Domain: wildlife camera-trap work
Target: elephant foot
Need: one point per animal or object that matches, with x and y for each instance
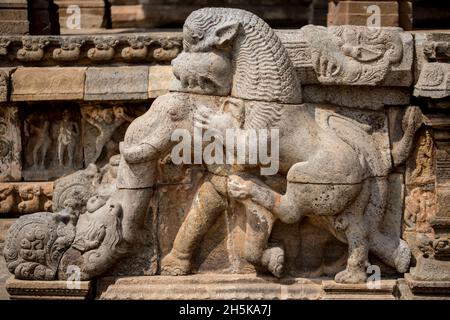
(402, 257)
(273, 260)
(351, 276)
(174, 266)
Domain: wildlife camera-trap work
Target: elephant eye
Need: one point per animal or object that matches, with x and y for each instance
(175, 114)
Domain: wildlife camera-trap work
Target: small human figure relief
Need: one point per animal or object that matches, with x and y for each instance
(104, 129)
(36, 129)
(420, 208)
(420, 168)
(52, 139)
(69, 131)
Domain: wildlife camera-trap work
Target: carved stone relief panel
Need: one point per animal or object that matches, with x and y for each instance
(25, 197)
(10, 144)
(52, 141)
(104, 126)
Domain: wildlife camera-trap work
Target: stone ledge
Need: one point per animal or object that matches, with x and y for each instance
(207, 286)
(340, 291)
(46, 290)
(237, 286)
(35, 84)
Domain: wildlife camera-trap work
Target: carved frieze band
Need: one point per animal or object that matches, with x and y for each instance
(160, 48)
(353, 55)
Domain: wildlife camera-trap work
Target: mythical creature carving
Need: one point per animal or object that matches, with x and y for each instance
(352, 54)
(234, 73)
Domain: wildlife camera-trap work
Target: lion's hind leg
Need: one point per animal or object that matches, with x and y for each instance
(353, 224)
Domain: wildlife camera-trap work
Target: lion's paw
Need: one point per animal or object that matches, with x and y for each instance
(351, 276)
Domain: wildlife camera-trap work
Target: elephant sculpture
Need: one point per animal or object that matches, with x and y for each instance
(234, 73)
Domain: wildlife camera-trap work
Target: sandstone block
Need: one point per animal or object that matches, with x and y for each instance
(159, 80)
(121, 83)
(34, 84)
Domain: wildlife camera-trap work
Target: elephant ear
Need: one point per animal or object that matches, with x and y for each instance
(225, 35)
(236, 108)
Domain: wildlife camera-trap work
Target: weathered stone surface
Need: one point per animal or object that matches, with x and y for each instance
(25, 197)
(48, 290)
(104, 127)
(34, 84)
(330, 55)
(361, 97)
(333, 206)
(194, 287)
(13, 17)
(5, 74)
(411, 289)
(434, 81)
(385, 290)
(122, 83)
(10, 144)
(155, 47)
(159, 80)
(50, 137)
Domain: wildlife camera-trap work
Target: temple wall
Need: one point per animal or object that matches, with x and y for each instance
(66, 102)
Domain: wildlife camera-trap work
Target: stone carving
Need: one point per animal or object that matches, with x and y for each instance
(73, 49)
(352, 54)
(10, 144)
(106, 121)
(420, 209)
(31, 199)
(420, 168)
(4, 85)
(67, 139)
(37, 128)
(168, 50)
(6, 198)
(235, 73)
(439, 50)
(138, 49)
(24, 198)
(4, 43)
(104, 49)
(52, 143)
(35, 244)
(69, 50)
(433, 81)
(33, 49)
(85, 184)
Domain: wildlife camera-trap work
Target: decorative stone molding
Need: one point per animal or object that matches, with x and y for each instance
(159, 47)
(434, 81)
(47, 290)
(25, 197)
(10, 144)
(359, 169)
(32, 49)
